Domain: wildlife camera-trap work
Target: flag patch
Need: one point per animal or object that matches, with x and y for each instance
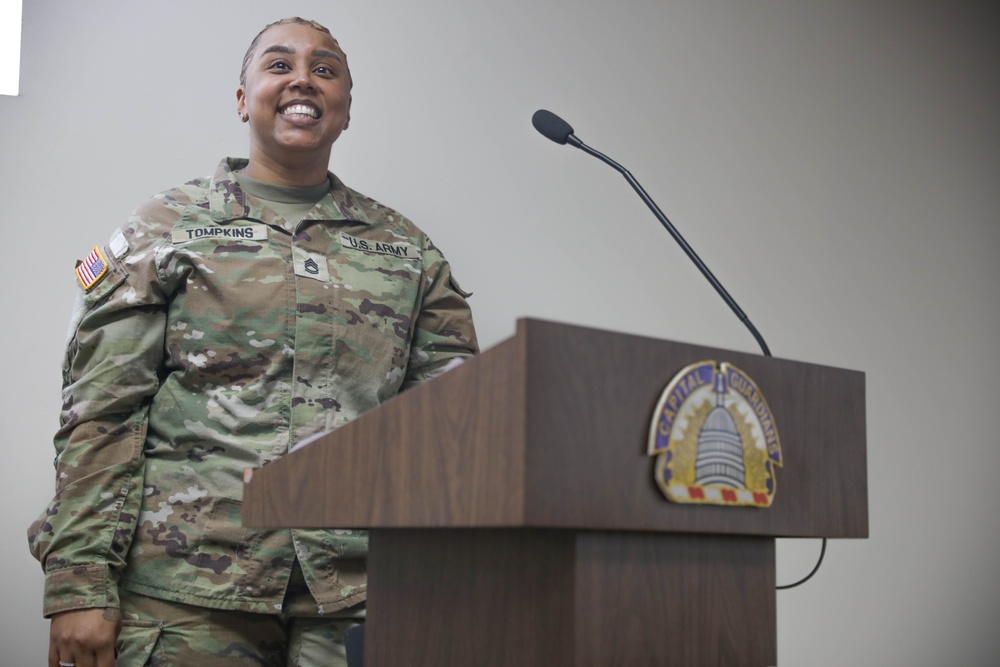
(90, 271)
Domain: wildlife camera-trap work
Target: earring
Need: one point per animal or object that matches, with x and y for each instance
(243, 116)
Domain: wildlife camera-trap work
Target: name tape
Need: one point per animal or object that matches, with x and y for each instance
(244, 232)
(401, 250)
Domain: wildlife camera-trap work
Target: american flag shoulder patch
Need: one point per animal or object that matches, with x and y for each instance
(90, 271)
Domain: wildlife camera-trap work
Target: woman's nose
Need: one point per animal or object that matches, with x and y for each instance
(303, 80)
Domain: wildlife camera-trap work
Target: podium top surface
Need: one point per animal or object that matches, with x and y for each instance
(549, 429)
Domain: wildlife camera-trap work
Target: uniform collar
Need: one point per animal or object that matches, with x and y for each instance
(228, 201)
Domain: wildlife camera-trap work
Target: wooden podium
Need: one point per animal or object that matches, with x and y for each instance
(515, 520)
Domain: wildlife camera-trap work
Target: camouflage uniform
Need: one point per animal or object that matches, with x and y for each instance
(161, 633)
(220, 336)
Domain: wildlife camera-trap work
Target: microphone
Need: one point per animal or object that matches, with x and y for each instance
(556, 129)
(552, 126)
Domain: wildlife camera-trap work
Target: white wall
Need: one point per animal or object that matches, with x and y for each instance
(835, 162)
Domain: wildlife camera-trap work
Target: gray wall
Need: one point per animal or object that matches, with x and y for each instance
(836, 162)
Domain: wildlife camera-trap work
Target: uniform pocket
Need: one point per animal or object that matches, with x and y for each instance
(137, 643)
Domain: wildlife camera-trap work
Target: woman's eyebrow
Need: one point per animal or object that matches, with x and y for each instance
(278, 48)
(317, 53)
(324, 53)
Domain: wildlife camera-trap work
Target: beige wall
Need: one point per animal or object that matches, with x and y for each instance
(836, 163)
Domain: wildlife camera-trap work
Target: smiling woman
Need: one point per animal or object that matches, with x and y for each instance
(228, 319)
(295, 92)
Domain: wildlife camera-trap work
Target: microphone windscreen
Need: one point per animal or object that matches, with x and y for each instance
(551, 126)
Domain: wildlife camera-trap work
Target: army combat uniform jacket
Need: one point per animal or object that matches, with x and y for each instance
(211, 336)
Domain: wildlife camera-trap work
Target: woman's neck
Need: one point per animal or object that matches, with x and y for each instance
(311, 171)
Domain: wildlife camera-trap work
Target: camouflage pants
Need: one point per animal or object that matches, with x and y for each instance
(160, 633)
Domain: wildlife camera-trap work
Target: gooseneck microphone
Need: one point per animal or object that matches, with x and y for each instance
(555, 128)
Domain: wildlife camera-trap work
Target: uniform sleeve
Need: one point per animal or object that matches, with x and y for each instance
(444, 330)
(110, 372)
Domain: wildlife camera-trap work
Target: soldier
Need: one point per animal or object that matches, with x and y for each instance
(228, 319)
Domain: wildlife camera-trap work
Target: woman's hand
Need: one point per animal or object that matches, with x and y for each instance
(84, 638)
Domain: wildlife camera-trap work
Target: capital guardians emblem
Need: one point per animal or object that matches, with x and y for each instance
(714, 438)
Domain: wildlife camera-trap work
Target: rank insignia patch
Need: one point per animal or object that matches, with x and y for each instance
(90, 271)
(714, 438)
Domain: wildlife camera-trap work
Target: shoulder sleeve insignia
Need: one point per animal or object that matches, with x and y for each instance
(90, 271)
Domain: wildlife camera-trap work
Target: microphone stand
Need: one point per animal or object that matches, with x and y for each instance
(688, 250)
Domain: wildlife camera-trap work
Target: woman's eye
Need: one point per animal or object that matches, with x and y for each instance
(323, 69)
(278, 65)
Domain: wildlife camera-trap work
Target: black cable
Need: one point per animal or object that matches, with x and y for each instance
(822, 552)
